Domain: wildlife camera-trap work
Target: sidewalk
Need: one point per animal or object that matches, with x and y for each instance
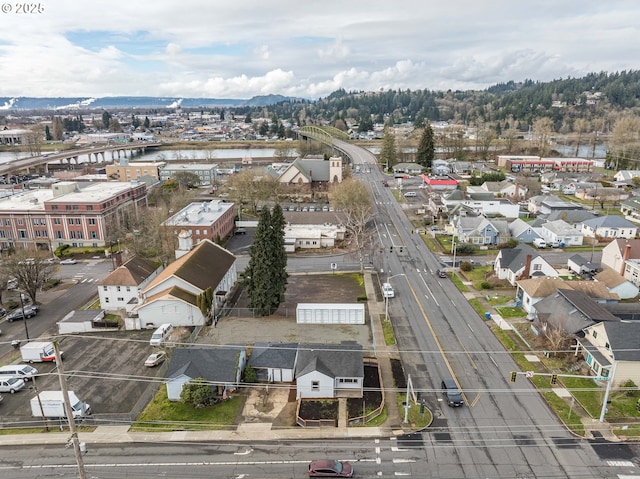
(249, 431)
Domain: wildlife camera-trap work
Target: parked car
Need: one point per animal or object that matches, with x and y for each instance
(11, 385)
(29, 312)
(155, 359)
(330, 468)
(68, 261)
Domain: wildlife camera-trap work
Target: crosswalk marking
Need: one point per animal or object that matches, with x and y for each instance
(621, 463)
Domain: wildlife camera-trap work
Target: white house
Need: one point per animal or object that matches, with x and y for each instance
(301, 236)
(172, 297)
(122, 288)
(521, 262)
(561, 232)
(609, 226)
(329, 371)
(274, 362)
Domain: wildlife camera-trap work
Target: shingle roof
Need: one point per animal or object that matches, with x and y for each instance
(610, 277)
(204, 266)
(333, 360)
(624, 339)
(218, 364)
(541, 287)
(609, 221)
(514, 259)
(277, 355)
(131, 273)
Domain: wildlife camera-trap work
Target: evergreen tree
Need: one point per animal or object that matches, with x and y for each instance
(146, 123)
(106, 119)
(47, 133)
(388, 153)
(426, 148)
(247, 119)
(266, 275)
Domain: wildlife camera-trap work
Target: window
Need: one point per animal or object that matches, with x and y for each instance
(20, 222)
(106, 300)
(59, 234)
(104, 288)
(92, 221)
(56, 221)
(54, 207)
(2, 234)
(72, 234)
(315, 385)
(70, 221)
(93, 235)
(35, 221)
(128, 289)
(537, 267)
(43, 222)
(118, 289)
(7, 222)
(348, 380)
(89, 207)
(79, 234)
(78, 221)
(22, 234)
(595, 334)
(67, 207)
(120, 300)
(75, 207)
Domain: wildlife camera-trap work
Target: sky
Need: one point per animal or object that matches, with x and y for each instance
(306, 49)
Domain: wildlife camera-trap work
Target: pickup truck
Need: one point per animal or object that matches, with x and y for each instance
(29, 312)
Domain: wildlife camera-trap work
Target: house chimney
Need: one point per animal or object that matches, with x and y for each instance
(527, 267)
(626, 254)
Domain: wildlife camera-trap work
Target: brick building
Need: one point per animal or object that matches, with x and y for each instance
(210, 220)
(68, 213)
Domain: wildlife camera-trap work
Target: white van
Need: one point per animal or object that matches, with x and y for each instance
(410, 193)
(161, 334)
(540, 243)
(22, 371)
(387, 290)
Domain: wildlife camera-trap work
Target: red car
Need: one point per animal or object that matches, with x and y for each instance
(330, 468)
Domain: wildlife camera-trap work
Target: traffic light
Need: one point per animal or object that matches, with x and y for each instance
(554, 379)
(514, 376)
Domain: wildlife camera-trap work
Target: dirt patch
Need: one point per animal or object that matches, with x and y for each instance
(399, 378)
(326, 409)
(371, 397)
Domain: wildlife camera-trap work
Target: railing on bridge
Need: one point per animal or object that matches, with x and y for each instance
(324, 134)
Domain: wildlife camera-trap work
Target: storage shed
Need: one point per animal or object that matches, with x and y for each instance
(330, 313)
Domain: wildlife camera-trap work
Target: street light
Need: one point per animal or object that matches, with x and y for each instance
(24, 318)
(612, 372)
(386, 299)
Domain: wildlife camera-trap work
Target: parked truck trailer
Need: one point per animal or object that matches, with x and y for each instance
(51, 404)
(38, 352)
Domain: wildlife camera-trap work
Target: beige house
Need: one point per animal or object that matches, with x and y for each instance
(616, 254)
(612, 349)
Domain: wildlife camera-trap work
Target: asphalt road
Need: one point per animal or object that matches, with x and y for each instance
(505, 430)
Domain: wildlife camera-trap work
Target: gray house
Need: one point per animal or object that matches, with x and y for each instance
(329, 371)
(274, 362)
(222, 366)
(522, 231)
(570, 311)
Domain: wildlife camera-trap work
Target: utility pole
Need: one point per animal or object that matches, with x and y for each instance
(67, 407)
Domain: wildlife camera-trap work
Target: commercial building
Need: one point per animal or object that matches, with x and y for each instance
(124, 170)
(205, 171)
(212, 220)
(67, 214)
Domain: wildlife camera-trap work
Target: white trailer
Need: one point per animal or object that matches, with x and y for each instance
(38, 352)
(53, 405)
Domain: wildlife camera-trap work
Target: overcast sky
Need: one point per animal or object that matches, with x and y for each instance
(306, 48)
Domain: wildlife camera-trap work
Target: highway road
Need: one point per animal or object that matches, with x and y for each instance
(505, 429)
(409, 456)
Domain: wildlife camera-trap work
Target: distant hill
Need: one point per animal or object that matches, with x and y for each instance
(133, 102)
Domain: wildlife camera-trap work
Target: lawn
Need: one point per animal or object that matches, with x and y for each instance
(165, 415)
(387, 328)
(417, 419)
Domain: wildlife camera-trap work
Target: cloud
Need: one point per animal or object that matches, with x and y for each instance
(241, 49)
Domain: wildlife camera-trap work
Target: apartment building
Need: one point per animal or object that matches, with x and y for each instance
(68, 213)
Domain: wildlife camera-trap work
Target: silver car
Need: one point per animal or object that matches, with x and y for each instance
(11, 385)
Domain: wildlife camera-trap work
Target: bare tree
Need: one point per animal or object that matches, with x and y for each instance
(580, 127)
(353, 200)
(543, 128)
(31, 269)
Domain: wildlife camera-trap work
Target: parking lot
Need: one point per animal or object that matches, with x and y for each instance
(106, 370)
